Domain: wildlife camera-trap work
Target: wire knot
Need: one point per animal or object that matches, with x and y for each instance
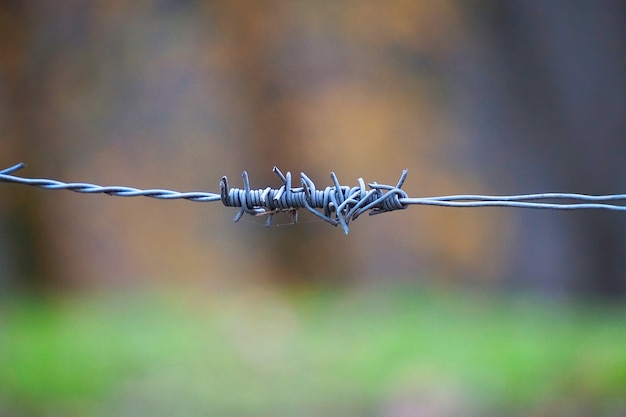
(336, 204)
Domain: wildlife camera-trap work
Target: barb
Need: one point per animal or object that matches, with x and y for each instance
(335, 204)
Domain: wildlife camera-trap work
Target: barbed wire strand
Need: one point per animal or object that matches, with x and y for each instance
(336, 204)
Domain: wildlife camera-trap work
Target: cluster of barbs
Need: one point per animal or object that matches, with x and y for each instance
(337, 204)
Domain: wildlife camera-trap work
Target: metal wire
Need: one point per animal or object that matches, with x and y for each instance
(120, 191)
(335, 204)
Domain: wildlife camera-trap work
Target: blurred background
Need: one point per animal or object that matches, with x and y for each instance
(110, 302)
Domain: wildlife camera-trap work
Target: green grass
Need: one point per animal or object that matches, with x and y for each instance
(349, 353)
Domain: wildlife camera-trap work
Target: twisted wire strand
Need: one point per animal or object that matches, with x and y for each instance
(335, 204)
(121, 191)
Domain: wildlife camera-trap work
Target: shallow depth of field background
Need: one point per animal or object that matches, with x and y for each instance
(135, 306)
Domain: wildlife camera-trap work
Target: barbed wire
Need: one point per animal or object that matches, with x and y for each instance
(335, 204)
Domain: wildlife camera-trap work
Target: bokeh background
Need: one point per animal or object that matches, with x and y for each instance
(111, 302)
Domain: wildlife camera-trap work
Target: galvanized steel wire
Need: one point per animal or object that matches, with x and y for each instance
(335, 204)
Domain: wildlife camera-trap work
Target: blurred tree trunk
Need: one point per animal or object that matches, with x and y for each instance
(26, 231)
(549, 101)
